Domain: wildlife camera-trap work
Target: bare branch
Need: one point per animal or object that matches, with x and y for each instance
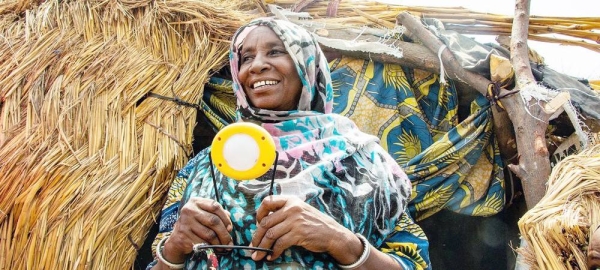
(518, 44)
(529, 118)
(454, 69)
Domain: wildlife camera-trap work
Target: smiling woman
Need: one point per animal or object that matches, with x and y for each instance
(339, 198)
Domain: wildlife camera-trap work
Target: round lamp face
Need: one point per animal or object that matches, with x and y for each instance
(243, 151)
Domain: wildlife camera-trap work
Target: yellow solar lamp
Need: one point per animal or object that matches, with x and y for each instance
(243, 151)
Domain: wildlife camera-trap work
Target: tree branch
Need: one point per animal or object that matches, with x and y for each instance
(519, 56)
(529, 118)
(414, 55)
(454, 70)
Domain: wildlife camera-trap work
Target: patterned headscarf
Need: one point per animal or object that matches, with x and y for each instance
(310, 62)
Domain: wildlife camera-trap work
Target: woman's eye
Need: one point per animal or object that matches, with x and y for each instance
(276, 52)
(246, 59)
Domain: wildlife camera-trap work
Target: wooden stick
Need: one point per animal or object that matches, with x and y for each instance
(460, 19)
(453, 68)
(414, 55)
(529, 119)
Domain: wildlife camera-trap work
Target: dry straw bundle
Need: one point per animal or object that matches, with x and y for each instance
(85, 154)
(557, 229)
(578, 31)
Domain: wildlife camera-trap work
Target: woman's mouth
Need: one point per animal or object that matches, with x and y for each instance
(260, 84)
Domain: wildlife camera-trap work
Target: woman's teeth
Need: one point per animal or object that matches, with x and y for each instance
(263, 83)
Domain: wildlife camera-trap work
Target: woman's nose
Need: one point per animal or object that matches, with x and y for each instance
(259, 64)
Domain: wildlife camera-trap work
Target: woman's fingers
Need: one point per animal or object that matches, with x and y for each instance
(277, 245)
(213, 223)
(201, 221)
(182, 237)
(270, 234)
(267, 216)
(283, 242)
(215, 208)
(212, 236)
(283, 222)
(270, 204)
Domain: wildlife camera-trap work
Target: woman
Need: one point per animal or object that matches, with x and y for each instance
(338, 194)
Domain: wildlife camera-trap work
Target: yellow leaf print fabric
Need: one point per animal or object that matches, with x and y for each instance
(455, 166)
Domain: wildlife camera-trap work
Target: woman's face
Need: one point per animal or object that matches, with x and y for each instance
(267, 72)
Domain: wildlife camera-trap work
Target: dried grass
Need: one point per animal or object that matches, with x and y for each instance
(576, 31)
(85, 155)
(557, 229)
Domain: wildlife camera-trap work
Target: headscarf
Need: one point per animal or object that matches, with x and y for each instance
(324, 159)
(317, 92)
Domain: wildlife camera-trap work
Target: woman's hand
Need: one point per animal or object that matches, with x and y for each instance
(285, 221)
(200, 221)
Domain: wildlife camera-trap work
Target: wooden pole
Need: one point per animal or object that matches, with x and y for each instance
(453, 69)
(413, 55)
(529, 118)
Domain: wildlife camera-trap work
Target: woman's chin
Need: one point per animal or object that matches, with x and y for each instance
(266, 106)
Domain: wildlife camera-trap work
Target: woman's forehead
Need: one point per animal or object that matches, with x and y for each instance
(262, 28)
(261, 35)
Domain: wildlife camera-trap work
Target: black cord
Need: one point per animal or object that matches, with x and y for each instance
(177, 100)
(274, 170)
(212, 174)
(232, 247)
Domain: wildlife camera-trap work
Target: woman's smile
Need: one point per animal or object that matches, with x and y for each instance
(259, 84)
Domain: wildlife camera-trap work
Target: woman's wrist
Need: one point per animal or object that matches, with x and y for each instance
(167, 256)
(171, 255)
(348, 250)
(364, 255)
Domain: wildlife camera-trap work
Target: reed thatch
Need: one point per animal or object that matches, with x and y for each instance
(575, 31)
(557, 229)
(86, 155)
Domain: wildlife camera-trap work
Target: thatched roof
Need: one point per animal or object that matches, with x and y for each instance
(576, 31)
(87, 155)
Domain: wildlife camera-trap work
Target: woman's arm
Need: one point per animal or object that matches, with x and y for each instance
(406, 248)
(170, 210)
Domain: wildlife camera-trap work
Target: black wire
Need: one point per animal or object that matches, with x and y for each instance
(177, 100)
(235, 247)
(212, 174)
(274, 170)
